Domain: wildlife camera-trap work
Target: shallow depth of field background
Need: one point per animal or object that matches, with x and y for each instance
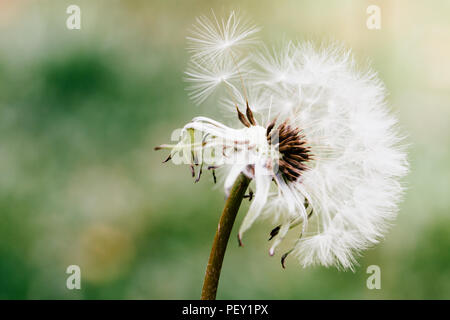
(80, 113)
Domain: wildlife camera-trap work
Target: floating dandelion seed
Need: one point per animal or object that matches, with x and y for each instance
(214, 38)
(315, 137)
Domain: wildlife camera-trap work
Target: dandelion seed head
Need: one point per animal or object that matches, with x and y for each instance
(313, 131)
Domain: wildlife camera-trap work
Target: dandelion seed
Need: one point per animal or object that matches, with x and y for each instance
(205, 75)
(213, 37)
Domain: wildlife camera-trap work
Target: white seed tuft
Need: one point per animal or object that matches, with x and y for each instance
(345, 200)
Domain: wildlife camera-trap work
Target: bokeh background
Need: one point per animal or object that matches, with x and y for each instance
(80, 113)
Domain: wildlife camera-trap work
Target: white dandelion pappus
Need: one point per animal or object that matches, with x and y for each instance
(276, 65)
(213, 37)
(318, 142)
(206, 74)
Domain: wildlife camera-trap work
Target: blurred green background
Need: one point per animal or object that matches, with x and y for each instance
(80, 113)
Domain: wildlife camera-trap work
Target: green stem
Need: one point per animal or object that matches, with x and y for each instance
(220, 242)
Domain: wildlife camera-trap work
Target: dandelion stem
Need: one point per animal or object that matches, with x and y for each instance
(220, 242)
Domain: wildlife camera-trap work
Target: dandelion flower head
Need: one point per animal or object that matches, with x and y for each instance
(311, 129)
